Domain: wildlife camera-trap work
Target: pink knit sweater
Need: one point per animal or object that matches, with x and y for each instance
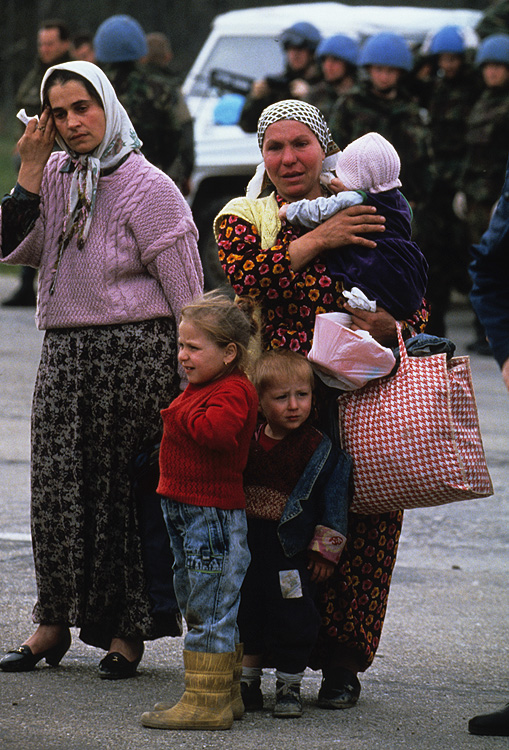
(207, 432)
(140, 260)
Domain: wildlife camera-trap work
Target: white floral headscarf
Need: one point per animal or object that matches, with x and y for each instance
(293, 109)
(119, 140)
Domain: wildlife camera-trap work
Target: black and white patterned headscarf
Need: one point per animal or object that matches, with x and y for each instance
(294, 109)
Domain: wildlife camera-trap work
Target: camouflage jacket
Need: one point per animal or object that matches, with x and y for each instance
(279, 89)
(182, 167)
(495, 19)
(28, 94)
(487, 139)
(151, 101)
(450, 104)
(400, 121)
(324, 95)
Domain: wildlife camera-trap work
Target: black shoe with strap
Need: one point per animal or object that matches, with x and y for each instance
(115, 666)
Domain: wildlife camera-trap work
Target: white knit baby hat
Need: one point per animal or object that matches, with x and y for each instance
(369, 163)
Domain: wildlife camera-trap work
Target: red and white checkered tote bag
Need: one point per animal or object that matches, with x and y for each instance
(414, 437)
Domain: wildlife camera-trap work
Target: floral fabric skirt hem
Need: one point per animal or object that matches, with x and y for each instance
(353, 601)
(97, 401)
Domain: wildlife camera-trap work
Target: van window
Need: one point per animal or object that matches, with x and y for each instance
(252, 56)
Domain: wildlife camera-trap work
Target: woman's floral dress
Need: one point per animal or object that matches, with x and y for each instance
(354, 600)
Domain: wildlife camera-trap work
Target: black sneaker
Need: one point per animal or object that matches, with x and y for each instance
(491, 725)
(288, 703)
(340, 688)
(252, 696)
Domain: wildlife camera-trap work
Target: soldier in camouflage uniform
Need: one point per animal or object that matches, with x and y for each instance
(381, 104)
(53, 43)
(338, 60)
(456, 88)
(299, 43)
(149, 97)
(158, 60)
(487, 139)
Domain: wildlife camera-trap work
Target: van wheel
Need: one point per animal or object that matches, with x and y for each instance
(214, 275)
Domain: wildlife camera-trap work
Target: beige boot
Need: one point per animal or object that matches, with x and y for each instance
(206, 703)
(237, 702)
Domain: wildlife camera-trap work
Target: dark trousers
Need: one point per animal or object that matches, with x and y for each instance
(156, 549)
(283, 630)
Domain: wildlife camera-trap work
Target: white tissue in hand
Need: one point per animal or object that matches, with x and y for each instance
(357, 299)
(25, 119)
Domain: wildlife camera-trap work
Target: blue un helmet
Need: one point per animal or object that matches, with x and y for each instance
(301, 34)
(448, 39)
(454, 40)
(341, 46)
(386, 49)
(493, 49)
(120, 39)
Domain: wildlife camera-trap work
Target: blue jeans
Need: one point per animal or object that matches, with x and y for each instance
(211, 559)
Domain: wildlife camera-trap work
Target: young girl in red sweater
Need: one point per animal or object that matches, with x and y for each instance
(204, 449)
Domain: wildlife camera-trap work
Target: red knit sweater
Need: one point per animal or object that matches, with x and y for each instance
(207, 432)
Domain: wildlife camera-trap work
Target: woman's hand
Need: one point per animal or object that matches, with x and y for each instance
(344, 228)
(380, 324)
(35, 147)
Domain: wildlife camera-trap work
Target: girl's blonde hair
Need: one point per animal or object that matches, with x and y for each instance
(279, 364)
(224, 321)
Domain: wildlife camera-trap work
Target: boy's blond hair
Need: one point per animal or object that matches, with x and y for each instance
(279, 364)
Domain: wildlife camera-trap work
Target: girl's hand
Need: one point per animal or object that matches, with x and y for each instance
(35, 147)
(320, 568)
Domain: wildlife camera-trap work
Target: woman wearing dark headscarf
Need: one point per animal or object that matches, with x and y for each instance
(115, 245)
(284, 268)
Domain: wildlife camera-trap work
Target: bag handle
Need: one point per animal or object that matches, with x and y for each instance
(403, 354)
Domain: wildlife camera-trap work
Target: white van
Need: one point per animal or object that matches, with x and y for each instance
(243, 46)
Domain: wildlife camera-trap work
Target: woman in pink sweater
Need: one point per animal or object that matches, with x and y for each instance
(115, 246)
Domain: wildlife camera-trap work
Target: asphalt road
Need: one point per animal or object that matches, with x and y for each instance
(444, 650)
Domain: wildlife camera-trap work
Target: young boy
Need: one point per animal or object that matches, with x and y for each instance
(296, 484)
